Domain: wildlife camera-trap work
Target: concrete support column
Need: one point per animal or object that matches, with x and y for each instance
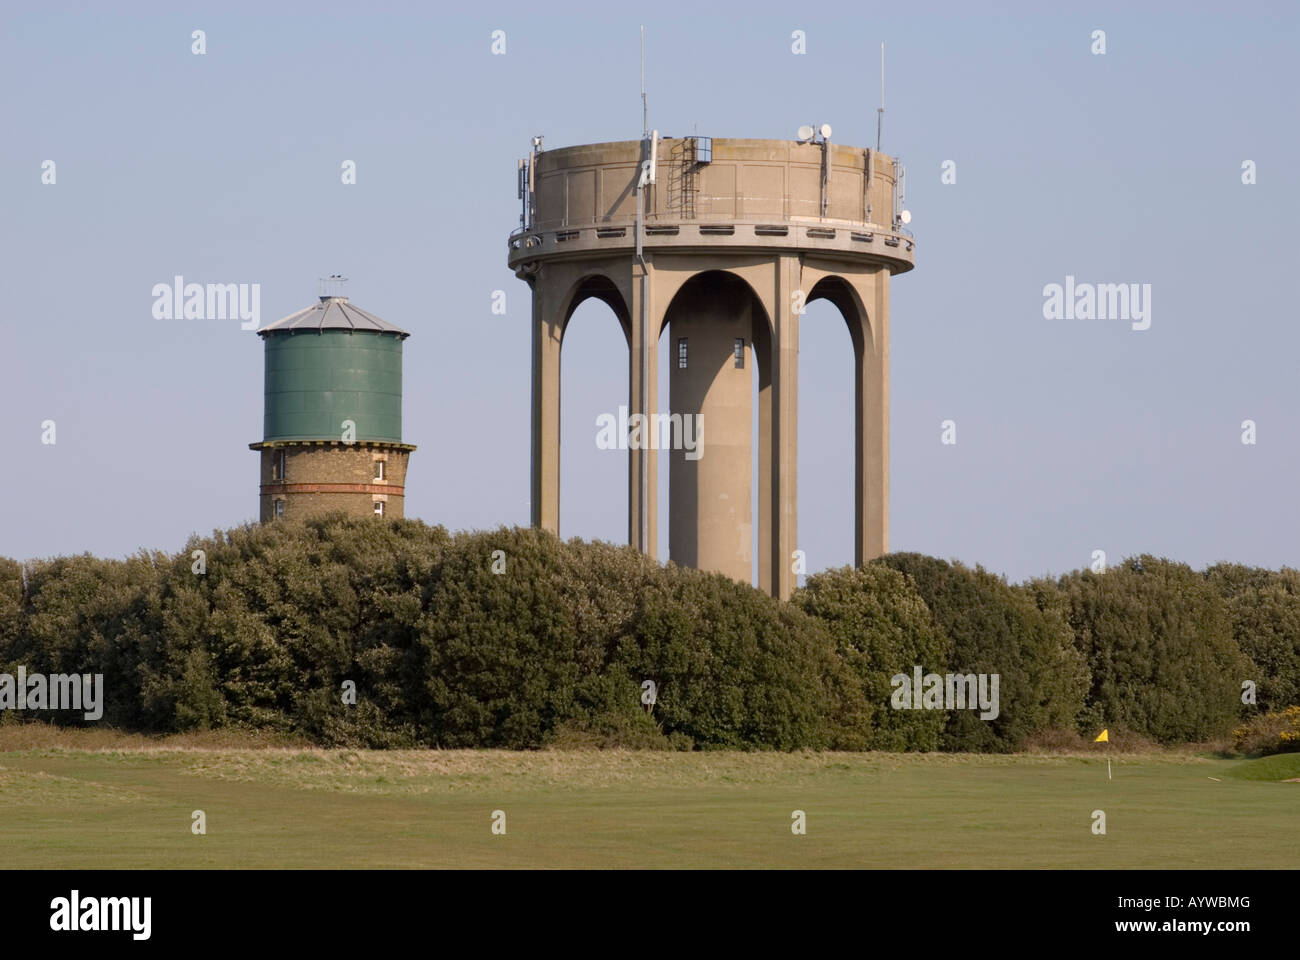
(763, 355)
(548, 329)
(778, 427)
(643, 388)
(711, 526)
(871, 423)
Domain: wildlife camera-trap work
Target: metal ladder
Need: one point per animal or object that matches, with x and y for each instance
(683, 178)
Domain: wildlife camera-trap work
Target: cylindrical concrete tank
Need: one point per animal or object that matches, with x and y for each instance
(332, 423)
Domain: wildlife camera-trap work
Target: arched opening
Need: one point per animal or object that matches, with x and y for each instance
(826, 429)
(593, 388)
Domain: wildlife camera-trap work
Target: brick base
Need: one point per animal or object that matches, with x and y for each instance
(325, 477)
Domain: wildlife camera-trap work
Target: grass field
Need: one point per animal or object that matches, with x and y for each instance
(129, 803)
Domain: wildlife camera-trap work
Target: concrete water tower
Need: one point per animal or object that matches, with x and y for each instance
(721, 242)
(332, 427)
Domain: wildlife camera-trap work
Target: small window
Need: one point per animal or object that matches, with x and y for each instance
(681, 354)
(740, 353)
(279, 509)
(379, 469)
(278, 465)
(379, 508)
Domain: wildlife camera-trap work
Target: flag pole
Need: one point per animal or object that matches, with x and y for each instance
(1104, 737)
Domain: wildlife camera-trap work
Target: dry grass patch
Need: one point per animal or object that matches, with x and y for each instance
(43, 736)
(459, 771)
(24, 788)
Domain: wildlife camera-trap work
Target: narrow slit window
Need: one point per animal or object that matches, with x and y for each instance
(740, 353)
(379, 470)
(681, 354)
(278, 465)
(279, 509)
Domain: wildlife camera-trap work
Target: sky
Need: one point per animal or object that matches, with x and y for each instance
(1072, 435)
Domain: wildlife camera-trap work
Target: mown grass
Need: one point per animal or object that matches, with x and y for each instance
(1282, 766)
(105, 801)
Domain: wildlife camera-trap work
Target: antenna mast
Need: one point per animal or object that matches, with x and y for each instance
(880, 114)
(646, 344)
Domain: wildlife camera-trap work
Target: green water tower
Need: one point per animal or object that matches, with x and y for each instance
(332, 422)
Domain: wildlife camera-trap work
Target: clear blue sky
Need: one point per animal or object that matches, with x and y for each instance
(1073, 435)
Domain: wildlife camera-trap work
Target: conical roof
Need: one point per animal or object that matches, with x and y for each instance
(332, 313)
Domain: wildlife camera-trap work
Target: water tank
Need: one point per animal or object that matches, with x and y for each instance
(328, 364)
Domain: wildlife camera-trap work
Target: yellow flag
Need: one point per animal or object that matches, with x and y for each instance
(1103, 737)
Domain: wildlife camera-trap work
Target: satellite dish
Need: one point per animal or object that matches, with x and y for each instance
(905, 216)
(826, 131)
(805, 132)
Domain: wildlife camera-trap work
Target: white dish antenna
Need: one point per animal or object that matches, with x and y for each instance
(826, 131)
(905, 216)
(805, 133)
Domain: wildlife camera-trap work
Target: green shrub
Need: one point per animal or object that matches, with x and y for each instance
(11, 605)
(1159, 648)
(1264, 613)
(91, 616)
(502, 658)
(994, 628)
(736, 668)
(626, 730)
(512, 638)
(881, 627)
(570, 632)
(282, 615)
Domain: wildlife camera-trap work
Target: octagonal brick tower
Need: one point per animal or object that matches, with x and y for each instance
(721, 242)
(332, 427)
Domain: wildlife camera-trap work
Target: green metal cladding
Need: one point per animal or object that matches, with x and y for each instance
(316, 379)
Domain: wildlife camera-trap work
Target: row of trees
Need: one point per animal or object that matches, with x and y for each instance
(396, 633)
